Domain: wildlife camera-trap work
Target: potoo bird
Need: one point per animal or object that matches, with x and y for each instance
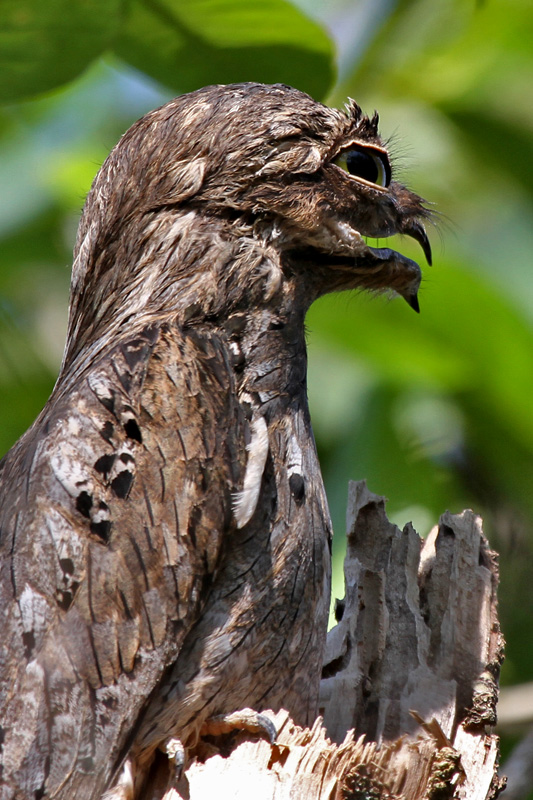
(165, 536)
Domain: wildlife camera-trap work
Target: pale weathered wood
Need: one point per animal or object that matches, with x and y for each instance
(419, 630)
(412, 664)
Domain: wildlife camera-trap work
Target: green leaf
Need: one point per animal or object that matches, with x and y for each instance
(187, 44)
(390, 338)
(46, 44)
(499, 142)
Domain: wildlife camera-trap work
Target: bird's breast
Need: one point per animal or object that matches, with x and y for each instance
(259, 641)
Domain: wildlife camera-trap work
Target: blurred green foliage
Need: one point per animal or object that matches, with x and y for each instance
(436, 410)
(183, 43)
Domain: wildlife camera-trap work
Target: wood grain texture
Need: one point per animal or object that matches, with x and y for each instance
(419, 629)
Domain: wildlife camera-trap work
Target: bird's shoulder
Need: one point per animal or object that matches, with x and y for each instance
(115, 505)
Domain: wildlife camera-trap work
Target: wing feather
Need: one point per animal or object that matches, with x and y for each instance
(115, 506)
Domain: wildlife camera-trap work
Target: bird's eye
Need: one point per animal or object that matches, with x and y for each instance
(369, 165)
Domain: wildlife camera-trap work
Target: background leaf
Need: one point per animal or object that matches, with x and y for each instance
(185, 43)
(46, 44)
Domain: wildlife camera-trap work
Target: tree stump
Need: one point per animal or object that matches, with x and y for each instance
(410, 681)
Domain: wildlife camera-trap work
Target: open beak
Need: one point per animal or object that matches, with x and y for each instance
(417, 231)
(412, 300)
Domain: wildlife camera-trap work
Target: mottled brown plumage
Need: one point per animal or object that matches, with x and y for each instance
(165, 536)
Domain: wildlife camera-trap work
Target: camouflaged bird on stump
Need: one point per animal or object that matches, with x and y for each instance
(165, 537)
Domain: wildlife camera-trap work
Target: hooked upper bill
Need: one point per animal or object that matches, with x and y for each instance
(416, 231)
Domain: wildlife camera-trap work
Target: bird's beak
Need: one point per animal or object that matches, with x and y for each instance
(417, 231)
(412, 300)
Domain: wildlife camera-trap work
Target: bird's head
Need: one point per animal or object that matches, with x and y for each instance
(215, 198)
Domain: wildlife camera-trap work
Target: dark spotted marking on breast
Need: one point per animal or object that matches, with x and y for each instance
(108, 402)
(64, 599)
(104, 464)
(297, 487)
(86, 764)
(121, 485)
(110, 702)
(246, 406)
(84, 503)
(107, 431)
(132, 430)
(65, 596)
(28, 639)
(67, 565)
(101, 529)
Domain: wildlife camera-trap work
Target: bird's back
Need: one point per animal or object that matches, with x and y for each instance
(113, 507)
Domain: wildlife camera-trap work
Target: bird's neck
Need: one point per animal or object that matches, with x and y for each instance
(269, 352)
(189, 270)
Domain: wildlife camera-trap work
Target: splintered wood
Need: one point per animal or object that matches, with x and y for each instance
(410, 681)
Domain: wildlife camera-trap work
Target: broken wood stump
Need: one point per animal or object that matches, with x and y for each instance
(410, 681)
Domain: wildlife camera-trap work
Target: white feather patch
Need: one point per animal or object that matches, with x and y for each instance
(294, 456)
(245, 502)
